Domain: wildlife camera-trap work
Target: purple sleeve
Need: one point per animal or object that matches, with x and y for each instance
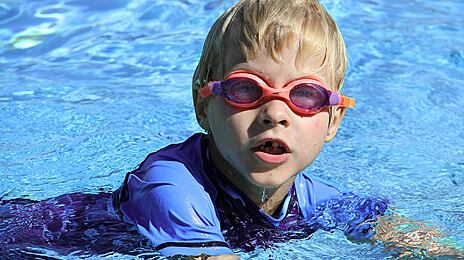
(324, 207)
(173, 210)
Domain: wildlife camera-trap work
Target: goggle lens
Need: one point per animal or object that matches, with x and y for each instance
(308, 96)
(242, 91)
(245, 91)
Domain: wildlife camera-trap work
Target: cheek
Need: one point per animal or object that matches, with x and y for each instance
(321, 123)
(226, 119)
(218, 116)
(225, 125)
(316, 130)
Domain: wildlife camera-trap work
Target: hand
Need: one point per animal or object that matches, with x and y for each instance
(414, 237)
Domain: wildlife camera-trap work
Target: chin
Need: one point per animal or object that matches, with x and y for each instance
(269, 179)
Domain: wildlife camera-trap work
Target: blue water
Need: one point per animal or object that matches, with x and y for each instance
(89, 88)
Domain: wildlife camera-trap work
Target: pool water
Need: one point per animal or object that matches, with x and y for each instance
(89, 88)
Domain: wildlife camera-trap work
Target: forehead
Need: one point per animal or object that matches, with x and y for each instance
(284, 68)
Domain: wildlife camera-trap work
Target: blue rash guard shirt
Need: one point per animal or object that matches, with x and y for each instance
(185, 206)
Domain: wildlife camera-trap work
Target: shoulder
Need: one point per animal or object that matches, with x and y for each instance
(311, 192)
(171, 201)
(188, 152)
(169, 186)
(175, 171)
(170, 207)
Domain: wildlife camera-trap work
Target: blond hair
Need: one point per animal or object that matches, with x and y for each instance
(270, 25)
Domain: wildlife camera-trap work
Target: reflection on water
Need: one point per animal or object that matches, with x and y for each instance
(69, 225)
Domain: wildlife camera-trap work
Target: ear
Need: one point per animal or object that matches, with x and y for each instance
(335, 120)
(200, 110)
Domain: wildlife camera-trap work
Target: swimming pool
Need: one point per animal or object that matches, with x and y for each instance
(89, 88)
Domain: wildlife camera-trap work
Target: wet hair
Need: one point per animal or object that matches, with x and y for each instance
(269, 26)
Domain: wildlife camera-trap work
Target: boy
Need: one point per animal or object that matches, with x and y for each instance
(266, 92)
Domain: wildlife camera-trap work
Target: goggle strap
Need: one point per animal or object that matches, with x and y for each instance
(205, 91)
(346, 101)
(213, 87)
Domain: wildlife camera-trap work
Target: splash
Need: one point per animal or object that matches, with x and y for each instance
(80, 225)
(71, 224)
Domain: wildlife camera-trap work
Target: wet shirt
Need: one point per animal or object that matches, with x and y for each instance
(185, 206)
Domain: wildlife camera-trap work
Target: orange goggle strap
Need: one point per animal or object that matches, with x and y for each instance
(346, 102)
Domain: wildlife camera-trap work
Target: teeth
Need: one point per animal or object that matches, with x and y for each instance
(272, 147)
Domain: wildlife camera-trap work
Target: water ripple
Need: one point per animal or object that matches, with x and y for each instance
(89, 88)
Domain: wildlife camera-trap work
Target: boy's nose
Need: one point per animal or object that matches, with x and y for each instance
(274, 113)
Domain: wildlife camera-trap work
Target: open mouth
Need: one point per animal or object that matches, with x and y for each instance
(271, 147)
(272, 151)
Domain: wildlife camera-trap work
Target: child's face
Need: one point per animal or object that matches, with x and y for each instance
(237, 132)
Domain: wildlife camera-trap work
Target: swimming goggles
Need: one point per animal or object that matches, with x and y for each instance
(305, 96)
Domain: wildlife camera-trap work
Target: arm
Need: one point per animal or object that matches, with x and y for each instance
(366, 219)
(414, 238)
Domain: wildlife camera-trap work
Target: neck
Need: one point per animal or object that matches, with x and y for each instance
(274, 197)
(266, 198)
